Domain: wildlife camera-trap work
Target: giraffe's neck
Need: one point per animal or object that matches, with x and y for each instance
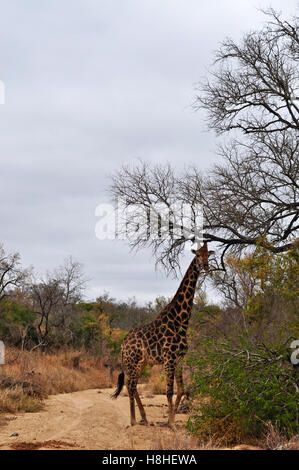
(182, 302)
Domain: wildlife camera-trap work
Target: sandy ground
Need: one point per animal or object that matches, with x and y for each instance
(90, 419)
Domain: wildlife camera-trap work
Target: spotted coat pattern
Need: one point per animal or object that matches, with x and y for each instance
(163, 341)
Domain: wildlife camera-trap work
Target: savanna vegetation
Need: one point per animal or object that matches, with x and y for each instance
(239, 376)
(241, 370)
(55, 340)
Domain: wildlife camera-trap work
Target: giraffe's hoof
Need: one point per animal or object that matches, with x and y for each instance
(171, 425)
(143, 422)
(167, 425)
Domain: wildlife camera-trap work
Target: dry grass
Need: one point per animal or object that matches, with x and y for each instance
(155, 383)
(274, 439)
(27, 378)
(178, 441)
(44, 445)
(15, 399)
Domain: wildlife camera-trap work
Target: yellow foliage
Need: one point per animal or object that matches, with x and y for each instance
(104, 324)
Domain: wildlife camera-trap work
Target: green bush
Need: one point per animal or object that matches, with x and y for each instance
(15, 321)
(244, 390)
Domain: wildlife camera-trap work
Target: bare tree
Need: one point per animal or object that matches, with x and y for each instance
(155, 190)
(71, 281)
(46, 300)
(54, 297)
(251, 196)
(254, 86)
(12, 275)
(236, 286)
(254, 90)
(248, 199)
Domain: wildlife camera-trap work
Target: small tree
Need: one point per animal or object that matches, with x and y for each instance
(54, 298)
(12, 275)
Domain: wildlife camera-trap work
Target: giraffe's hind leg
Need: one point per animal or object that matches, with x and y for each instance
(132, 389)
(134, 395)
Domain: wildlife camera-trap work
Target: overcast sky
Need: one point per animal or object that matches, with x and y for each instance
(91, 85)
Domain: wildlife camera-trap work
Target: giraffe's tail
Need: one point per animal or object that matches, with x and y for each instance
(120, 384)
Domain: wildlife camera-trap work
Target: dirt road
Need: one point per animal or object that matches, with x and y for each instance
(90, 419)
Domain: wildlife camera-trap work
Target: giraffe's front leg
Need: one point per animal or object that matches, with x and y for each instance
(170, 370)
(180, 388)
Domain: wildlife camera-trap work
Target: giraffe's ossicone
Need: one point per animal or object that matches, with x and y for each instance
(163, 341)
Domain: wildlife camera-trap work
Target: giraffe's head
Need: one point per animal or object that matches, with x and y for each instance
(202, 256)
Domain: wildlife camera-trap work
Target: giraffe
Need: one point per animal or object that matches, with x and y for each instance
(163, 341)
